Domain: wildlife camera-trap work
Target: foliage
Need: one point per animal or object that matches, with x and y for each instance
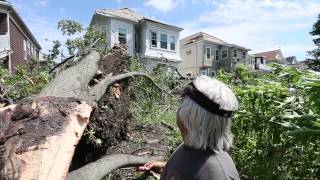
(149, 105)
(314, 62)
(28, 79)
(277, 126)
(79, 40)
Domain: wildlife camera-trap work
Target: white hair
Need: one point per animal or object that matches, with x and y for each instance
(205, 129)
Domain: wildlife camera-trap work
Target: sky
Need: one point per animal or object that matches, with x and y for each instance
(260, 25)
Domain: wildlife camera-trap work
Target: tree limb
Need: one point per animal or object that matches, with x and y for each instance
(100, 168)
(98, 90)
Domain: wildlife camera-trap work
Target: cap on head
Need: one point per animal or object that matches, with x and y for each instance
(213, 95)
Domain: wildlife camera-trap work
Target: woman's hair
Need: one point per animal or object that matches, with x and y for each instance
(205, 129)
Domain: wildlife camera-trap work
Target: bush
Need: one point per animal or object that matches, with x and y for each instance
(277, 126)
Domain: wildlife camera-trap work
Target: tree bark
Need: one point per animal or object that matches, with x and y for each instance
(100, 168)
(38, 138)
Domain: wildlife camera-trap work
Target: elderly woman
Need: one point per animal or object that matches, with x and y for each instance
(204, 120)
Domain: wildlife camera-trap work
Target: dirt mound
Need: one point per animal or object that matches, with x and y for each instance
(109, 121)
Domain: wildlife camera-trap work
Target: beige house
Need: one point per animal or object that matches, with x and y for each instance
(203, 54)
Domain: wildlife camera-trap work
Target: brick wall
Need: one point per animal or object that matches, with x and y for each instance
(16, 43)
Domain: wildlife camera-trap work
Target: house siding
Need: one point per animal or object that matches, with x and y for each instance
(16, 45)
(115, 25)
(197, 62)
(173, 56)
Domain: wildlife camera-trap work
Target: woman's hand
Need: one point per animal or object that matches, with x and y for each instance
(154, 165)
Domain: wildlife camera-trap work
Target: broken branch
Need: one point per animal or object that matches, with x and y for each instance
(100, 168)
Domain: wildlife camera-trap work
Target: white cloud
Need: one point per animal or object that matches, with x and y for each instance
(259, 24)
(42, 3)
(163, 5)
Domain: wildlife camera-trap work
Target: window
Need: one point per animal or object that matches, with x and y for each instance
(213, 73)
(122, 36)
(164, 41)
(34, 51)
(29, 49)
(203, 72)
(244, 54)
(224, 53)
(172, 43)
(208, 53)
(154, 39)
(217, 55)
(261, 60)
(235, 53)
(25, 49)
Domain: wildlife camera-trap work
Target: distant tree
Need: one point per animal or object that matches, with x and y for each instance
(314, 61)
(80, 40)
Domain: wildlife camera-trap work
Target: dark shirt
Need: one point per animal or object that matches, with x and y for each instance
(188, 163)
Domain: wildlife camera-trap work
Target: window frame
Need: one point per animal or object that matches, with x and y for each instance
(151, 39)
(235, 53)
(210, 58)
(225, 49)
(126, 35)
(217, 54)
(25, 50)
(172, 42)
(205, 72)
(166, 42)
(244, 54)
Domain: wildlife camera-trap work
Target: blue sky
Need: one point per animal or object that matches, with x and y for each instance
(260, 25)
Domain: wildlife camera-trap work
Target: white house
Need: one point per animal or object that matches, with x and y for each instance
(151, 40)
(258, 63)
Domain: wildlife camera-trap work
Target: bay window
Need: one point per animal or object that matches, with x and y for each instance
(164, 41)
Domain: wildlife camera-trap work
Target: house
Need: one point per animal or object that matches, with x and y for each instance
(291, 60)
(274, 56)
(258, 63)
(204, 54)
(151, 40)
(17, 44)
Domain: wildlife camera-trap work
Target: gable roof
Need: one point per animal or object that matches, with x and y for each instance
(130, 15)
(125, 14)
(270, 55)
(207, 37)
(14, 13)
(290, 59)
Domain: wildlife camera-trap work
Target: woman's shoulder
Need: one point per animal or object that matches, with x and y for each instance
(221, 163)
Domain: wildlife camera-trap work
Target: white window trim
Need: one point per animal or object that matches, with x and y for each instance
(210, 59)
(175, 42)
(235, 52)
(227, 53)
(217, 54)
(159, 32)
(245, 54)
(127, 32)
(25, 53)
(162, 33)
(157, 39)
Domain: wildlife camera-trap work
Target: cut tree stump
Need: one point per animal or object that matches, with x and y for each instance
(38, 138)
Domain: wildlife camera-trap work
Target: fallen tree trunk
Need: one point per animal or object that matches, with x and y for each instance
(100, 168)
(38, 138)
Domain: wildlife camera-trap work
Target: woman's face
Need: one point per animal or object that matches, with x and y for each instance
(180, 123)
